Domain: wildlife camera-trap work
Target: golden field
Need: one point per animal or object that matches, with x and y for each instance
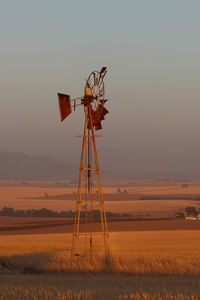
(31, 196)
(138, 253)
(144, 265)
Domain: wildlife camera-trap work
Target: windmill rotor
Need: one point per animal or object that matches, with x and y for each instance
(94, 95)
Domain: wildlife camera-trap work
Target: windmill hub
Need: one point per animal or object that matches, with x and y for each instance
(88, 97)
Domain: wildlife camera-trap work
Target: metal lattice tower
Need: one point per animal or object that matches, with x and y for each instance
(90, 211)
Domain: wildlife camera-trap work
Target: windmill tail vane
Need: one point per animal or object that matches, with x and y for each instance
(90, 211)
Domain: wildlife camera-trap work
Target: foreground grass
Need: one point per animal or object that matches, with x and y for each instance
(136, 253)
(101, 286)
(144, 265)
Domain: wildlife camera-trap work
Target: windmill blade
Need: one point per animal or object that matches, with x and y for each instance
(103, 70)
(98, 126)
(64, 106)
(103, 101)
(102, 75)
(99, 114)
(104, 112)
(95, 117)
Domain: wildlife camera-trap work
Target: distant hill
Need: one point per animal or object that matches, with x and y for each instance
(114, 164)
(130, 164)
(21, 166)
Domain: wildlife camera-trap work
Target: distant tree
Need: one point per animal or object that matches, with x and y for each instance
(118, 190)
(191, 211)
(8, 211)
(185, 185)
(44, 212)
(24, 183)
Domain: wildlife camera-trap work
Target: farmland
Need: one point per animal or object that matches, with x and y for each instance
(56, 196)
(153, 257)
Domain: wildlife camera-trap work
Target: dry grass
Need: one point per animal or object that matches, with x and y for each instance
(144, 265)
(106, 286)
(137, 253)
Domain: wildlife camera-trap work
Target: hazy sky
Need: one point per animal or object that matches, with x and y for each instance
(151, 49)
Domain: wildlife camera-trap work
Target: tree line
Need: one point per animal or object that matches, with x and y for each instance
(44, 212)
(190, 211)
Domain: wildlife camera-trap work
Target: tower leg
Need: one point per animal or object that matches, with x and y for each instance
(104, 225)
(79, 194)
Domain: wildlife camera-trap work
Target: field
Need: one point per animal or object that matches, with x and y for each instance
(31, 195)
(153, 265)
(102, 286)
(157, 257)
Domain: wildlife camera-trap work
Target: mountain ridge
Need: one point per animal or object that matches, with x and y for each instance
(17, 165)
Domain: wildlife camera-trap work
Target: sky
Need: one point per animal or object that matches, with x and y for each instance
(151, 50)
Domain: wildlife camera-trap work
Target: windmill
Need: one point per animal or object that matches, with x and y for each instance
(89, 203)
